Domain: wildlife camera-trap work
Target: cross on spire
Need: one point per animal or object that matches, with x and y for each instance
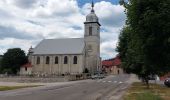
(92, 5)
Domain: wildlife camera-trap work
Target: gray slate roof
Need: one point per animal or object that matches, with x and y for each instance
(60, 46)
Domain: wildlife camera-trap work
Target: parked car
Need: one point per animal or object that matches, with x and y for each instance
(167, 82)
(101, 76)
(97, 76)
(94, 77)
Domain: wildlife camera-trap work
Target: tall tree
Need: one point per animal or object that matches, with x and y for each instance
(147, 49)
(0, 62)
(12, 60)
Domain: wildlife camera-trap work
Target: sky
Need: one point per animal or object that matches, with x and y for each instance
(24, 23)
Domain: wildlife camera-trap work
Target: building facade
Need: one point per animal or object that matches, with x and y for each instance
(69, 55)
(112, 66)
(26, 69)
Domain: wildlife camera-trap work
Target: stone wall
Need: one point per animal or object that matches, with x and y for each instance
(27, 79)
(41, 79)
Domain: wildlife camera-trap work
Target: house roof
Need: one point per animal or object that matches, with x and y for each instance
(116, 61)
(27, 65)
(107, 63)
(112, 62)
(60, 46)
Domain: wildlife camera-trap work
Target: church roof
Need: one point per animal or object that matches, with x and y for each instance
(60, 46)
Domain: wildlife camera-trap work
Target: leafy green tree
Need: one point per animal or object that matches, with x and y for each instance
(144, 44)
(0, 62)
(12, 60)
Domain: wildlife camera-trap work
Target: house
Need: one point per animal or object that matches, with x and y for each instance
(164, 76)
(112, 66)
(107, 65)
(26, 69)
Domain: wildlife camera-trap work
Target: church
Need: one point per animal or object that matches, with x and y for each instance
(68, 55)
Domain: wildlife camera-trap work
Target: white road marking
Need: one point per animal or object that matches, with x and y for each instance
(120, 82)
(110, 81)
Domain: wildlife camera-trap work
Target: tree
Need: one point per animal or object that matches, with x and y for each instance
(0, 62)
(12, 60)
(144, 44)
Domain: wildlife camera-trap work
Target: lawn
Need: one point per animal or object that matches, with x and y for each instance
(138, 91)
(4, 88)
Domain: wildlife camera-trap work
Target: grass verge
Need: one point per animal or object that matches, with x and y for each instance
(5, 88)
(138, 91)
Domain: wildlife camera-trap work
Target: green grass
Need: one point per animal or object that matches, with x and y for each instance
(138, 91)
(5, 88)
(148, 96)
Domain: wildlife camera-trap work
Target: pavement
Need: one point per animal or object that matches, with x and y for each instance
(110, 88)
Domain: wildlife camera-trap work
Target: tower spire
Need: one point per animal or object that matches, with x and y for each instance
(92, 6)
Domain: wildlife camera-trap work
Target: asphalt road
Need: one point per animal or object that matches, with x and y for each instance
(85, 90)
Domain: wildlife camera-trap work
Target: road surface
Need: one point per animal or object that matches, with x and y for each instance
(86, 90)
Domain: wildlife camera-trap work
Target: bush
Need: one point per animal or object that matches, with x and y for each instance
(86, 70)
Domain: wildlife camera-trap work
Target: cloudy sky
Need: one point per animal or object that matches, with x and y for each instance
(24, 23)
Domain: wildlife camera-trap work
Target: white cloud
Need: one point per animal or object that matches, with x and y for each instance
(22, 3)
(110, 15)
(53, 19)
(15, 43)
(108, 48)
(53, 8)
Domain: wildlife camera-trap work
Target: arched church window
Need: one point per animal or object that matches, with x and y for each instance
(56, 60)
(90, 31)
(38, 60)
(65, 60)
(75, 60)
(47, 60)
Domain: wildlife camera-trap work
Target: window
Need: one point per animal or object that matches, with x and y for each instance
(90, 31)
(75, 60)
(47, 60)
(25, 68)
(65, 60)
(38, 60)
(98, 29)
(56, 60)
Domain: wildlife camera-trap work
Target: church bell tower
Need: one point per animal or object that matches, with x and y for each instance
(92, 41)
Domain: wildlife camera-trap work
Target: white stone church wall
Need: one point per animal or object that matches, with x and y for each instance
(37, 68)
(59, 68)
(77, 68)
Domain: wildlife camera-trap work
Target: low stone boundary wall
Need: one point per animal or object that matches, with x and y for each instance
(77, 77)
(34, 79)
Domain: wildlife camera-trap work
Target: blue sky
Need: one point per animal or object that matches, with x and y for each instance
(82, 2)
(24, 23)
